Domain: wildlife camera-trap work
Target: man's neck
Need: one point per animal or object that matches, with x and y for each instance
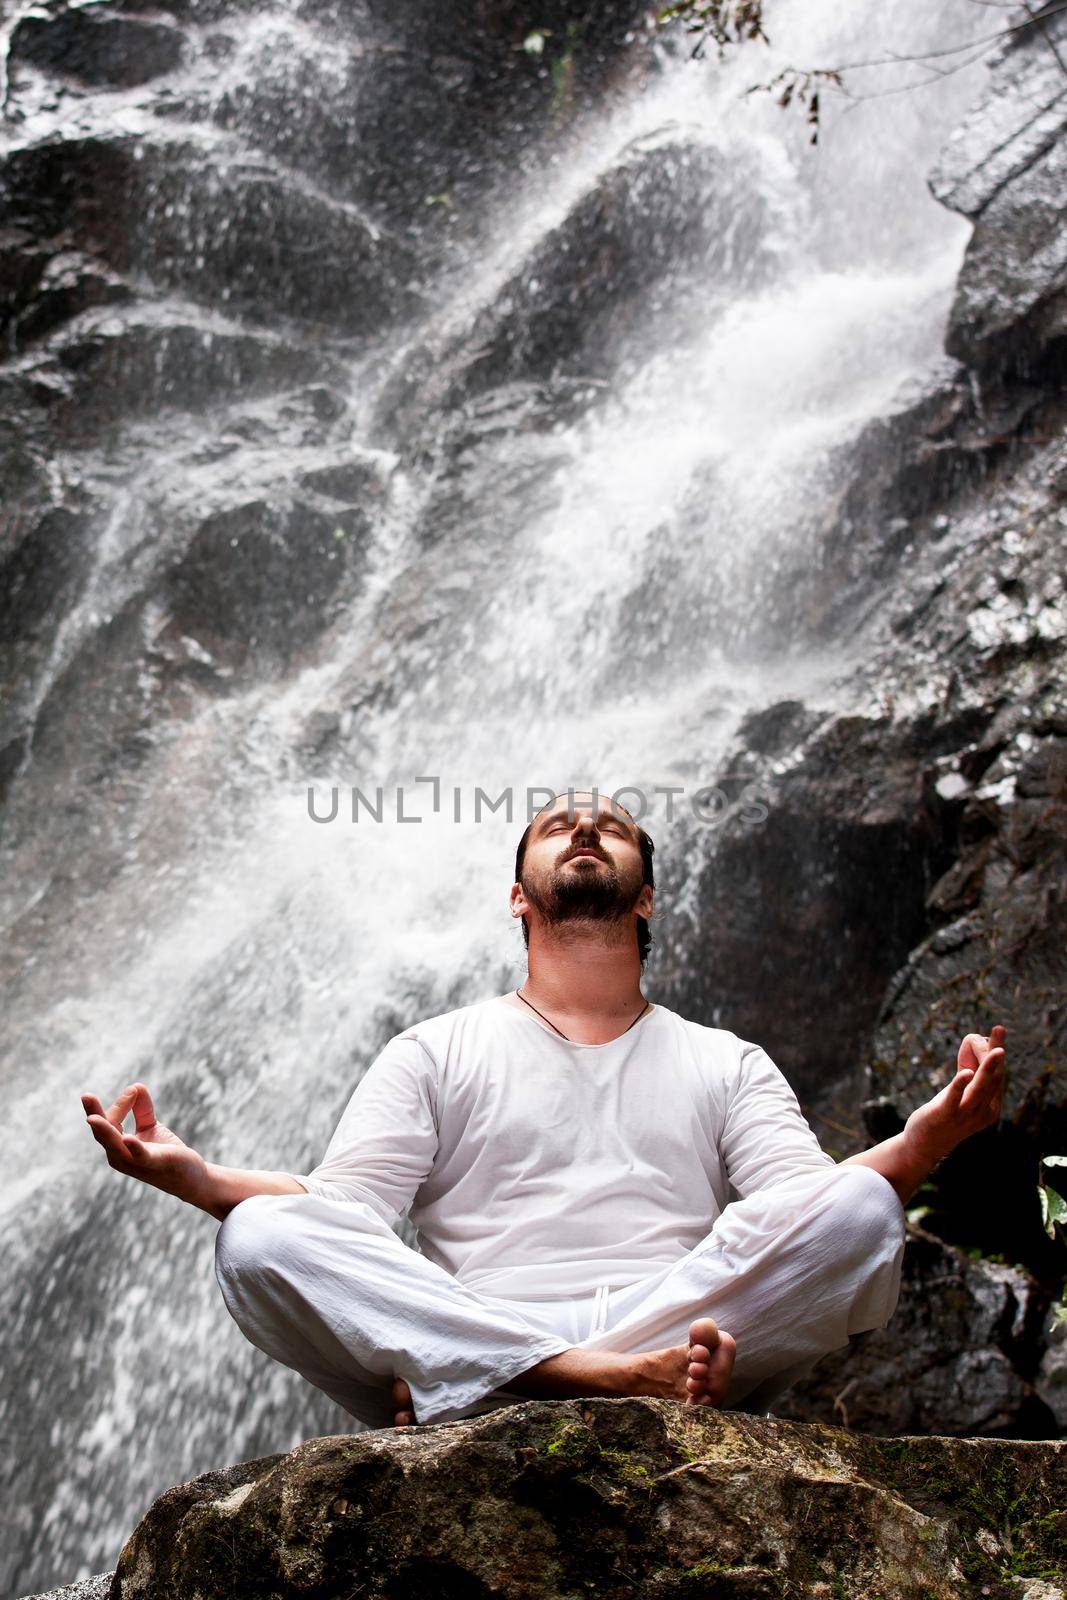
(588, 982)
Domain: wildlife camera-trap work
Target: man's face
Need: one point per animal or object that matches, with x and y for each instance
(581, 867)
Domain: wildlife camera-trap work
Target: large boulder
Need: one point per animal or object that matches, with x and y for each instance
(195, 214)
(548, 1500)
(671, 210)
(92, 46)
(1005, 167)
(961, 1355)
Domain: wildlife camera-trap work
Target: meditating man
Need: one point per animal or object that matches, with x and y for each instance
(608, 1198)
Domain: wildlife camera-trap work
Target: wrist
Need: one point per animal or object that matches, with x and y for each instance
(924, 1149)
(208, 1191)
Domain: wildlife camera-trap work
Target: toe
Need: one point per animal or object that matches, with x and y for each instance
(704, 1331)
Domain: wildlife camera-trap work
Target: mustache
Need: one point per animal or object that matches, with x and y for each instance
(583, 849)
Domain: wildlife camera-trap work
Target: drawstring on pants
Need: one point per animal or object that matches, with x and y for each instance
(600, 1309)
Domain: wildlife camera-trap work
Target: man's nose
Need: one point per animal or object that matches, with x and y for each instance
(586, 828)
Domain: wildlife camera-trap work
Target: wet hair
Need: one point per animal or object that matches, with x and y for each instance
(644, 932)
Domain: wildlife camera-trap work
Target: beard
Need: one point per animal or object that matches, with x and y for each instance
(593, 893)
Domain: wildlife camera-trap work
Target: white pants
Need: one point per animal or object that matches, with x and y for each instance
(327, 1287)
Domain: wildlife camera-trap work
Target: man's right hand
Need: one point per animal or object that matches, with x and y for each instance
(152, 1152)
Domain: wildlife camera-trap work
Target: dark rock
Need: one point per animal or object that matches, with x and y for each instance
(830, 889)
(1006, 167)
(1016, 265)
(613, 1497)
(935, 451)
(1003, 959)
(669, 210)
(959, 1356)
(104, 370)
(1022, 113)
(260, 582)
(47, 289)
(1050, 1381)
(90, 45)
(349, 480)
(41, 577)
(236, 233)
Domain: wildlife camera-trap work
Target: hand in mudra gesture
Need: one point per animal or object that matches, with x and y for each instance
(151, 1152)
(971, 1102)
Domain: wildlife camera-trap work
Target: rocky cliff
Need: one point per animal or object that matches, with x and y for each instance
(911, 881)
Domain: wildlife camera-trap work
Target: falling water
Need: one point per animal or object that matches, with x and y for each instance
(595, 610)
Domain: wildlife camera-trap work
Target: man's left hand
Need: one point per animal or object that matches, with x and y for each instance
(971, 1102)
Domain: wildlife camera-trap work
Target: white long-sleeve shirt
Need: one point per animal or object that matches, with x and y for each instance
(534, 1165)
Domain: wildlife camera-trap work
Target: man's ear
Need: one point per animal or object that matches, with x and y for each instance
(518, 901)
(645, 902)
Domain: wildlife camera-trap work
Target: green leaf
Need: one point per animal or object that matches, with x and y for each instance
(1054, 1161)
(1053, 1208)
(917, 1213)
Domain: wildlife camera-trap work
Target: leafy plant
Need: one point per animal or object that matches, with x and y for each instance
(732, 22)
(723, 21)
(1053, 1205)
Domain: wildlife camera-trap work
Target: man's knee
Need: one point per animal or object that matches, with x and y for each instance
(252, 1237)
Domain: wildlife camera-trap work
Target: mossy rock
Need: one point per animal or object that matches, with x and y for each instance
(554, 1500)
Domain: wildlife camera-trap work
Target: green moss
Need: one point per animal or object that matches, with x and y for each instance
(1008, 1496)
(572, 1442)
(622, 1464)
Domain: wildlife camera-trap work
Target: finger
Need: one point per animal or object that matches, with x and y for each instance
(972, 1049)
(954, 1092)
(106, 1134)
(987, 1082)
(991, 1067)
(120, 1110)
(144, 1114)
(92, 1105)
(135, 1149)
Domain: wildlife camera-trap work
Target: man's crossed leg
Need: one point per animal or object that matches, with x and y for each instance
(784, 1277)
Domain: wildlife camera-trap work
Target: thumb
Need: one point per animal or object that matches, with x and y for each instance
(135, 1149)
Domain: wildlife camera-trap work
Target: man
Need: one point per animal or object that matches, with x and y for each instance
(609, 1199)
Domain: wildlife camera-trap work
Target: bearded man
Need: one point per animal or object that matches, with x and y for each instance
(608, 1198)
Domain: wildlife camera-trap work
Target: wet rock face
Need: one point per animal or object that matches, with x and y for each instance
(611, 1497)
(962, 1347)
(96, 48)
(1006, 167)
(849, 816)
(258, 582)
(235, 232)
(657, 220)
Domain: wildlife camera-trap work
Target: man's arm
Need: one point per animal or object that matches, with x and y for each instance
(158, 1157)
(971, 1102)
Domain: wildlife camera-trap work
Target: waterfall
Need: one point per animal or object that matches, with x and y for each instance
(569, 548)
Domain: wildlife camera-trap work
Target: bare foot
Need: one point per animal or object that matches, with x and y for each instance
(404, 1416)
(710, 1363)
(697, 1373)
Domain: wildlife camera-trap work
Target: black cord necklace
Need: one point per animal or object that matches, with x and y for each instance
(560, 1031)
